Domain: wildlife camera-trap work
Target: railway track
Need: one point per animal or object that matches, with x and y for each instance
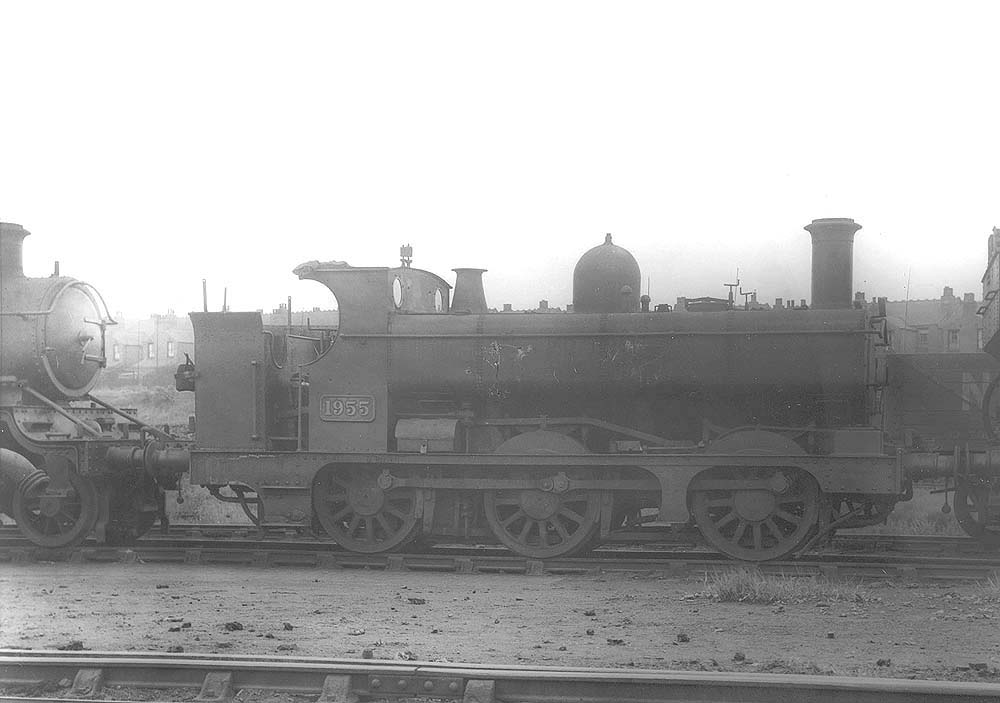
(911, 544)
(657, 540)
(238, 547)
(182, 534)
(57, 676)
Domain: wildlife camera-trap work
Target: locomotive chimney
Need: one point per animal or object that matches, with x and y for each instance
(832, 262)
(469, 295)
(11, 238)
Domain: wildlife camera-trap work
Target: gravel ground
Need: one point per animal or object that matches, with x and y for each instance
(648, 620)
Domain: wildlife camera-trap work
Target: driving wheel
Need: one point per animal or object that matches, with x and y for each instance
(361, 515)
(543, 524)
(55, 518)
(977, 509)
(769, 519)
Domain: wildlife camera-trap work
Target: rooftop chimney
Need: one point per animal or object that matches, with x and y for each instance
(469, 295)
(832, 262)
(11, 238)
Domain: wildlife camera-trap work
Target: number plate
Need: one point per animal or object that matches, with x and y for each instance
(347, 408)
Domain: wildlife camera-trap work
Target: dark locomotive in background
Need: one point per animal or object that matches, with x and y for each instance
(424, 414)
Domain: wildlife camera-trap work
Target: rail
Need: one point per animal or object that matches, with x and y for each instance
(463, 560)
(89, 675)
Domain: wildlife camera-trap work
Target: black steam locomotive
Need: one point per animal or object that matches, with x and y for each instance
(54, 437)
(422, 413)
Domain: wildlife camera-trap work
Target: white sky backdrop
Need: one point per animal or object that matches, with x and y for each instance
(150, 145)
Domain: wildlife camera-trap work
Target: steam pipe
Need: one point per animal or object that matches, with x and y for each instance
(154, 459)
(14, 468)
(919, 465)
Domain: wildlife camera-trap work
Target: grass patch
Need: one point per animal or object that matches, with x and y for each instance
(157, 405)
(751, 586)
(991, 589)
(919, 516)
(201, 507)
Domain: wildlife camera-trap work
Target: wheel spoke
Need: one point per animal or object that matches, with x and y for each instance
(787, 516)
(395, 512)
(384, 523)
(560, 528)
(543, 533)
(758, 538)
(572, 514)
(729, 517)
(353, 526)
(525, 530)
(342, 513)
(740, 529)
(773, 528)
(369, 529)
(514, 516)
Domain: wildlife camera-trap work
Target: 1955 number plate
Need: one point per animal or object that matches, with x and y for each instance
(347, 408)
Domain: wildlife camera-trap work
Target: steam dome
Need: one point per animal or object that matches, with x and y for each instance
(606, 279)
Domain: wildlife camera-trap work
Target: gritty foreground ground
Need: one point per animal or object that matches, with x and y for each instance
(647, 620)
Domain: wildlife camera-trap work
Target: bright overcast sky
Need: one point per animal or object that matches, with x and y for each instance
(150, 145)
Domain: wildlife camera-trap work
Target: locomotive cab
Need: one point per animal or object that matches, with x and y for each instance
(367, 295)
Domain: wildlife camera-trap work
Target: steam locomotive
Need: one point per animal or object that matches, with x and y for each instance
(423, 414)
(54, 478)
